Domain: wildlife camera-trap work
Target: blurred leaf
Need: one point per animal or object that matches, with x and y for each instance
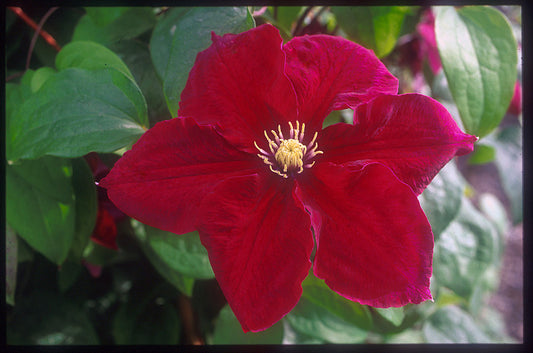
(90, 56)
(479, 56)
(374, 27)
(316, 291)
(492, 323)
(452, 325)
(508, 144)
(148, 317)
(76, 112)
(495, 212)
(103, 16)
(447, 297)
(292, 336)
(136, 55)
(11, 265)
(441, 200)
(45, 318)
(228, 330)
(40, 205)
(99, 255)
(393, 315)
(106, 25)
(482, 154)
(40, 76)
(25, 253)
(287, 15)
(184, 32)
(86, 206)
(407, 336)
(316, 321)
(465, 250)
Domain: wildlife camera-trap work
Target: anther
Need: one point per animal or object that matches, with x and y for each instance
(288, 155)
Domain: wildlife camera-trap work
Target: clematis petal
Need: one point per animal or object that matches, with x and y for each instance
(331, 73)
(238, 83)
(374, 243)
(163, 178)
(413, 135)
(259, 243)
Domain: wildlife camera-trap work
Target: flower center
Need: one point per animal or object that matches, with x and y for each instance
(290, 155)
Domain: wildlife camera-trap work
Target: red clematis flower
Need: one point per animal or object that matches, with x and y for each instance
(248, 164)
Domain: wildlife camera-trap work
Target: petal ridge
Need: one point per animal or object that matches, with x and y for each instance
(163, 178)
(259, 242)
(374, 243)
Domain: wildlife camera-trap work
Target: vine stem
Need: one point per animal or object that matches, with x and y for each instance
(188, 321)
(38, 29)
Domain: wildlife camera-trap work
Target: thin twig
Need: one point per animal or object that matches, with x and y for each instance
(46, 36)
(188, 321)
(15, 75)
(36, 35)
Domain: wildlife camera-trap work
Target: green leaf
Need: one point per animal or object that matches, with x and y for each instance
(89, 56)
(508, 144)
(292, 336)
(137, 57)
(393, 315)
(40, 205)
(178, 258)
(287, 15)
(228, 330)
(441, 200)
(184, 32)
(183, 253)
(45, 318)
(103, 16)
(407, 336)
(452, 325)
(482, 154)
(493, 209)
(316, 291)
(76, 112)
(465, 250)
(11, 265)
(148, 317)
(479, 57)
(374, 27)
(40, 76)
(86, 206)
(314, 320)
(16, 95)
(106, 25)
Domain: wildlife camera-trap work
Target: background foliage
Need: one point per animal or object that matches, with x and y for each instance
(80, 272)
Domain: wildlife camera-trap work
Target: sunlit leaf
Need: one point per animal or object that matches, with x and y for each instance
(452, 325)
(76, 112)
(465, 250)
(479, 56)
(441, 200)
